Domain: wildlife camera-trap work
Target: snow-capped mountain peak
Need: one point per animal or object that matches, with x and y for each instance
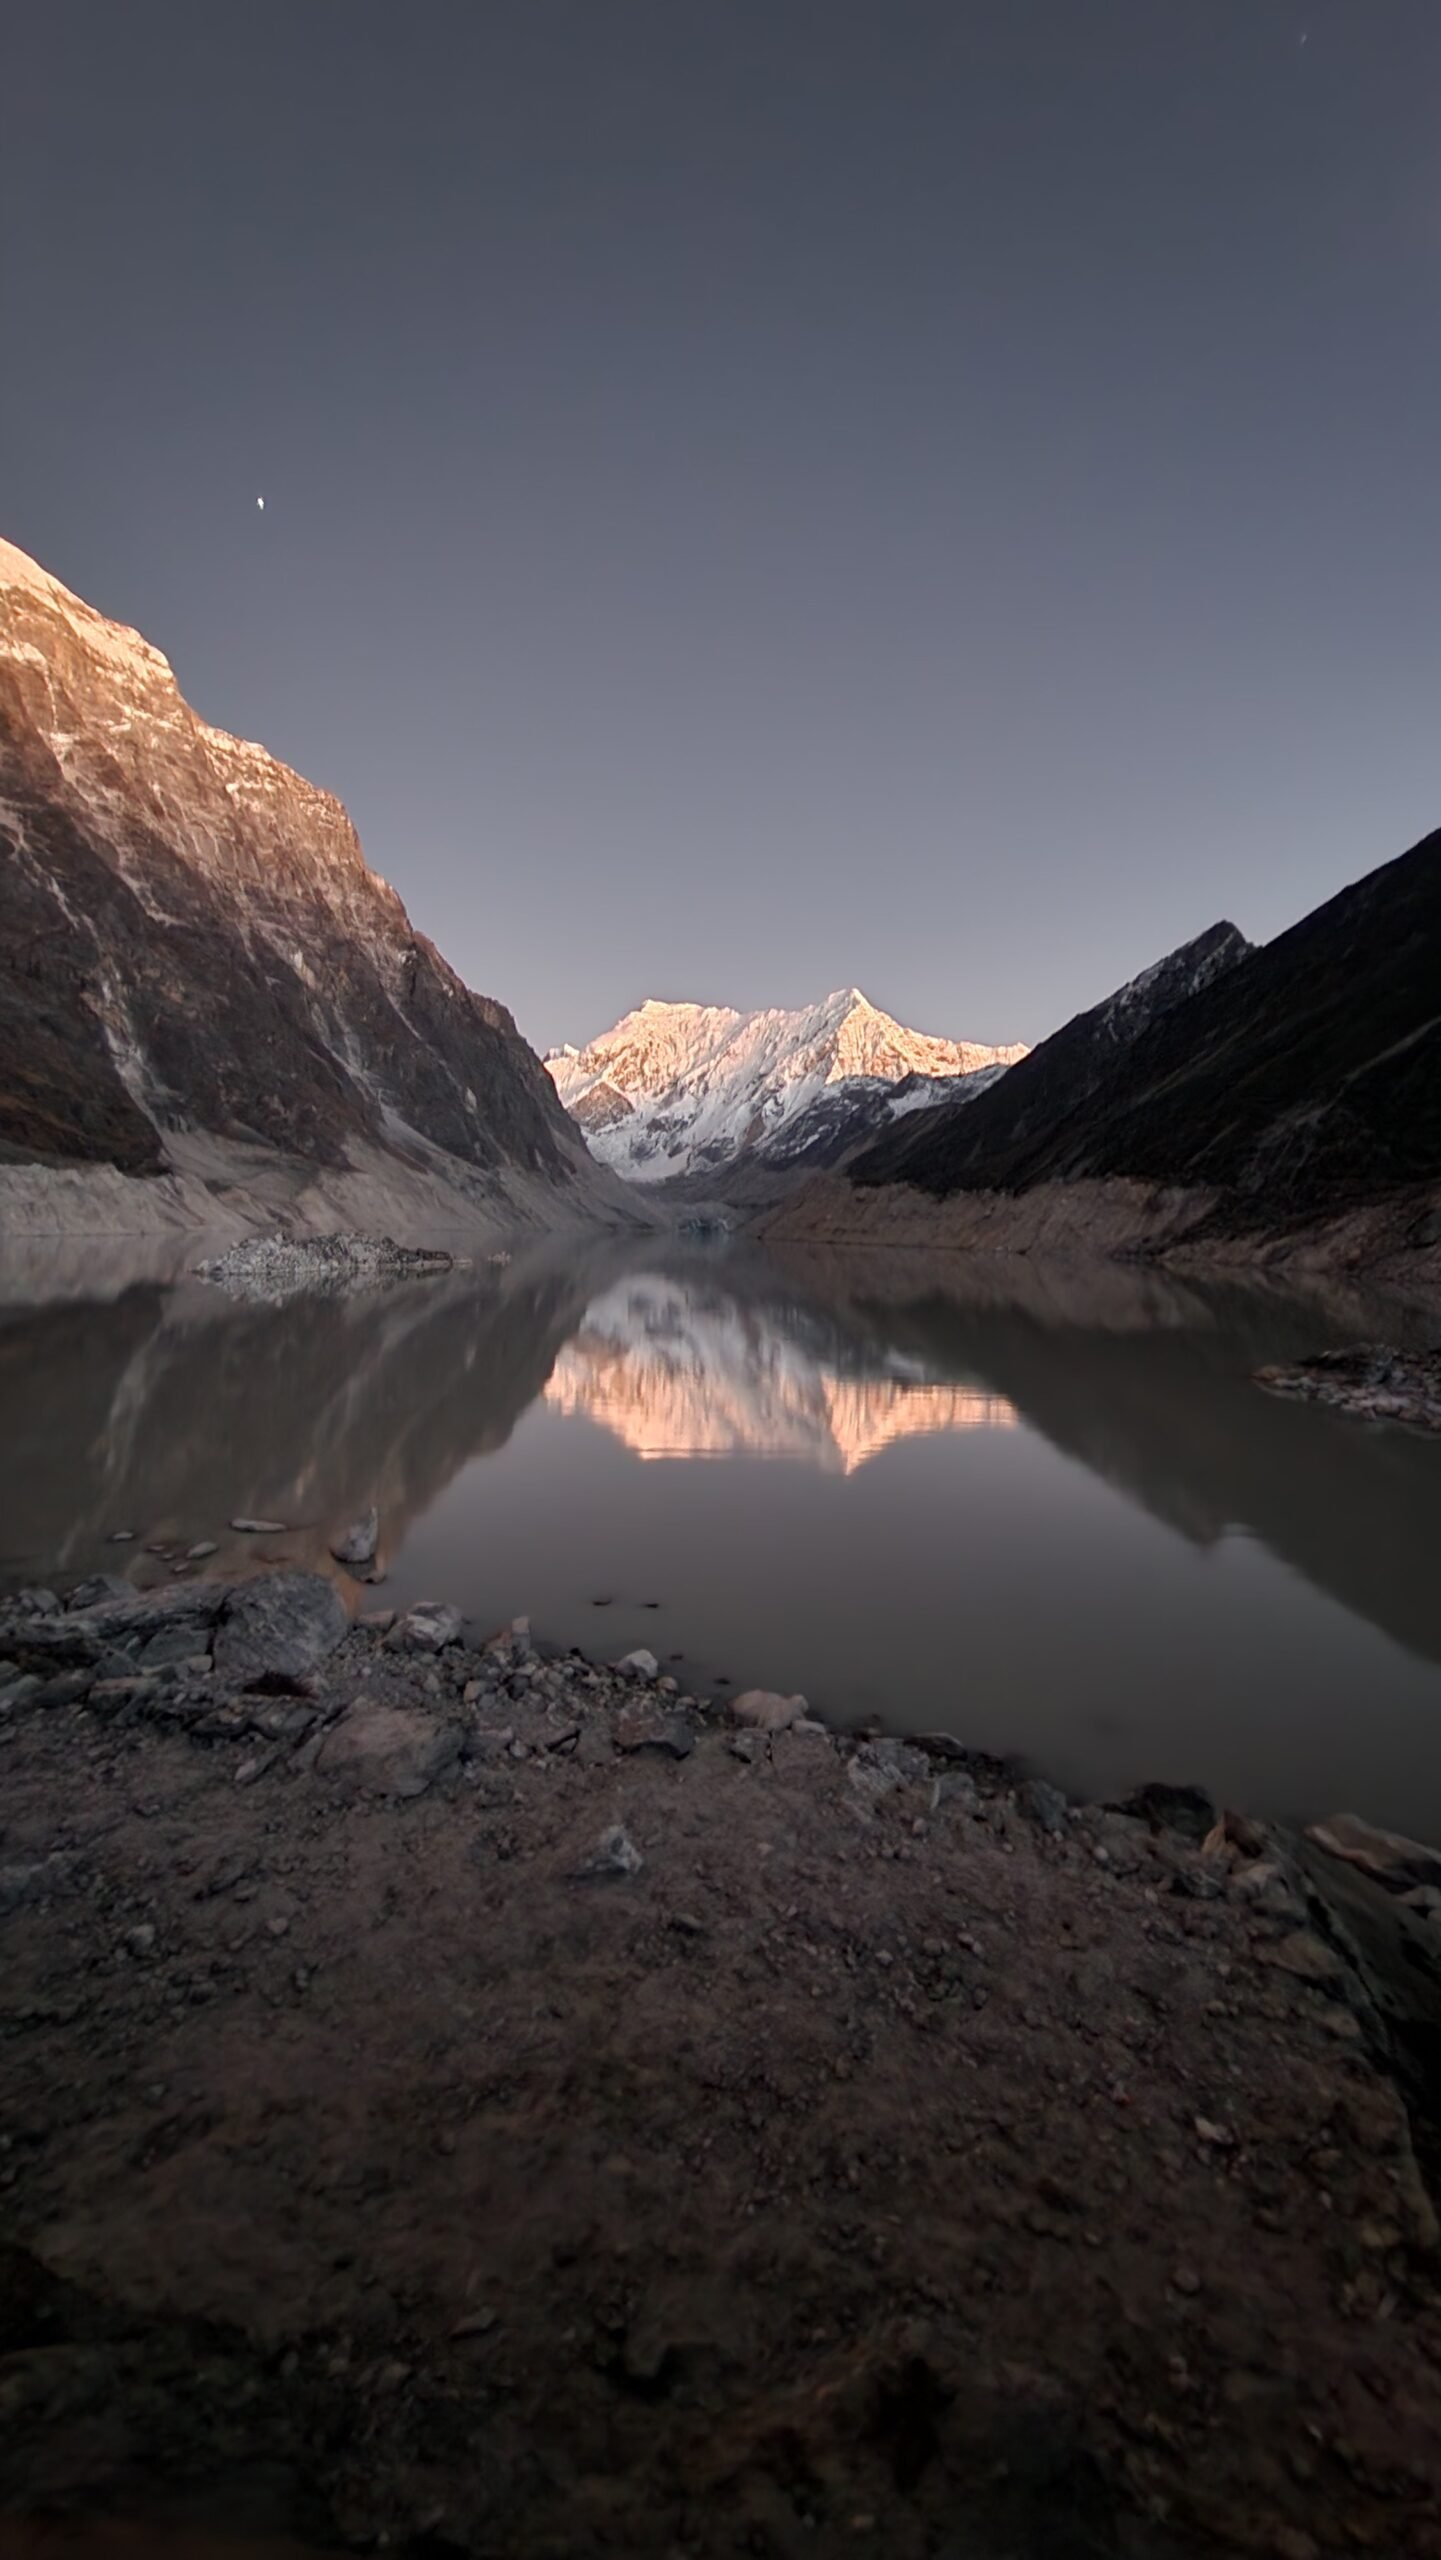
(678, 1088)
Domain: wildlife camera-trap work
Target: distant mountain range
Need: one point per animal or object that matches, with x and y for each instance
(687, 1089)
(209, 1006)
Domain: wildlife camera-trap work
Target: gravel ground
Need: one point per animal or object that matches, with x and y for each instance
(459, 2102)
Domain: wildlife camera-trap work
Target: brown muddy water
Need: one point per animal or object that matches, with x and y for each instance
(1040, 1507)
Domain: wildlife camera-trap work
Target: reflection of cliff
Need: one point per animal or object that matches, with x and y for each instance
(168, 1412)
(1165, 1411)
(680, 1372)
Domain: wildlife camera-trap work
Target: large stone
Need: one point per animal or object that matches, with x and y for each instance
(281, 1622)
(766, 1711)
(1188, 1810)
(879, 1766)
(358, 1543)
(427, 1628)
(1393, 1860)
(98, 1588)
(389, 1751)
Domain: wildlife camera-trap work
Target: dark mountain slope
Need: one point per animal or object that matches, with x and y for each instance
(1306, 1078)
(969, 1142)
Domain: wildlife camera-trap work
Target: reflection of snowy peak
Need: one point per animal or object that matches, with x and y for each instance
(676, 1377)
(682, 1088)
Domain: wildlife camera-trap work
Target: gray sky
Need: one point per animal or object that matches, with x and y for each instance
(761, 494)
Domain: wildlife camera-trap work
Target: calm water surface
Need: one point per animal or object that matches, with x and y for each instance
(1041, 1507)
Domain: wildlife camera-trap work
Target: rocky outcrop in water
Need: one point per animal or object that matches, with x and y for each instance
(279, 1267)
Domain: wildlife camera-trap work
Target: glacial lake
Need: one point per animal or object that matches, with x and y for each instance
(1041, 1507)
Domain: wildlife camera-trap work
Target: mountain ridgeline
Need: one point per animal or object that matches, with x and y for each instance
(199, 975)
(987, 1143)
(1298, 1078)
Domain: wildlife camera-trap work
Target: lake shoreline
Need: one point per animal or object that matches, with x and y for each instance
(520, 2102)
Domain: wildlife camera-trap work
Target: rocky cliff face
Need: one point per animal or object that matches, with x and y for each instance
(685, 1089)
(198, 971)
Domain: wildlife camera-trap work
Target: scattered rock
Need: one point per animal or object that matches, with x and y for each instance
(427, 1628)
(100, 1587)
(381, 1750)
(1188, 1810)
(32, 1880)
(767, 1710)
(1046, 1806)
(358, 1543)
(956, 1787)
(879, 1766)
(614, 1854)
(1304, 1956)
(475, 2324)
(637, 1729)
(281, 1622)
(1393, 1860)
(202, 1547)
(259, 1528)
(640, 1665)
(65, 1690)
(121, 1537)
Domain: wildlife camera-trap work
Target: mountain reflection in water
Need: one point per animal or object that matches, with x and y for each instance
(680, 1372)
(1040, 1506)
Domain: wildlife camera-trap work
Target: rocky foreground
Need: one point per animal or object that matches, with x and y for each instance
(462, 2101)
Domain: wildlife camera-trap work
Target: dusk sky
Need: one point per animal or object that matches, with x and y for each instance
(762, 494)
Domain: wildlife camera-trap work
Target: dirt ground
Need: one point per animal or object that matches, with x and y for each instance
(893, 2160)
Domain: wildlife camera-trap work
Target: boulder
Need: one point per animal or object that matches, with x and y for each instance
(1188, 1810)
(386, 1751)
(427, 1628)
(766, 1711)
(640, 1665)
(358, 1543)
(877, 1767)
(1394, 1861)
(281, 1622)
(100, 1587)
(1045, 1805)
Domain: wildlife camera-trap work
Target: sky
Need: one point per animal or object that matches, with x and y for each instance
(762, 495)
